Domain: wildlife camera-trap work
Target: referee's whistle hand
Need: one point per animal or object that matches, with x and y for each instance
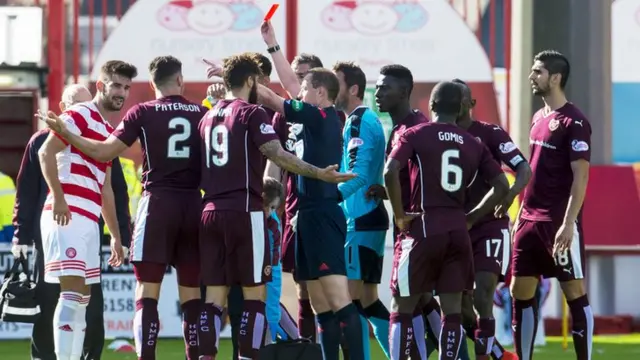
(330, 174)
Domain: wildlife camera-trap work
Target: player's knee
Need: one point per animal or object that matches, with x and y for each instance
(254, 292)
(451, 303)
(74, 283)
(573, 289)
(216, 295)
(369, 294)
(355, 289)
(147, 290)
(404, 304)
(301, 290)
(523, 287)
(317, 298)
(188, 293)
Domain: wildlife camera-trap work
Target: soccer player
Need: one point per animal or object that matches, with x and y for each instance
(433, 251)
(235, 135)
(289, 135)
(79, 190)
(367, 219)
(166, 225)
(393, 93)
(490, 236)
(548, 235)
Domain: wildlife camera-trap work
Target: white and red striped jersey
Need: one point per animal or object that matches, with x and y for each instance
(82, 177)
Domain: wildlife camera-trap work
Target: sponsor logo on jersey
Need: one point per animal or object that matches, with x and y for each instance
(516, 160)
(354, 143)
(507, 147)
(578, 145)
(296, 105)
(267, 129)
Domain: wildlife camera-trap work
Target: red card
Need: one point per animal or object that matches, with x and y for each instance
(271, 11)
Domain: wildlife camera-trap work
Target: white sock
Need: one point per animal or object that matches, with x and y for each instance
(64, 324)
(80, 329)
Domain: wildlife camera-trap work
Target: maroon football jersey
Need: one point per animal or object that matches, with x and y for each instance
(288, 138)
(444, 161)
(231, 134)
(555, 141)
(502, 149)
(170, 150)
(416, 117)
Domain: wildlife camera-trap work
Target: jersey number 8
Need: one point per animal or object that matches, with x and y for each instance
(175, 151)
(218, 140)
(450, 174)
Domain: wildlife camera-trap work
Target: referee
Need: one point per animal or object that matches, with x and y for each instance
(30, 198)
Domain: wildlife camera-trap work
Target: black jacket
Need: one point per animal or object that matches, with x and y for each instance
(31, 193)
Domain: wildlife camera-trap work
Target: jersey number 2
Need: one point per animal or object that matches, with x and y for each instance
(175, 151)
(218, 140)
(450, 174)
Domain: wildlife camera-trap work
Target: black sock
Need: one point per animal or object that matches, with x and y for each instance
(329, 334)
(349, 319)
(377, 310)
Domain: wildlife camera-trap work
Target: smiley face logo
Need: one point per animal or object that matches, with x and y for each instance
(374, 18)
(209, 17)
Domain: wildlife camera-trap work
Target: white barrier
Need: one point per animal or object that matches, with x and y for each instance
(118, 286)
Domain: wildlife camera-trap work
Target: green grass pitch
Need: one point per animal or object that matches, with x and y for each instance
(604, 348)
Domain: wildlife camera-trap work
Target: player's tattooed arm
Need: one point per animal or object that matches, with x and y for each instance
(273, 171)
(273, 151)
(499, 189)
(270, 99)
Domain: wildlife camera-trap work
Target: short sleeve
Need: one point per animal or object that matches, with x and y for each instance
(75, 123)
(300, 112)
(579, 134)
(505, 148)
(403, 149)
(130, 127)
(260, 128)
(489, 167)
(280, 126)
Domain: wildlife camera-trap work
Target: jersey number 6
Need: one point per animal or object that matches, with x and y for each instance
(450, 174)
(218, 140)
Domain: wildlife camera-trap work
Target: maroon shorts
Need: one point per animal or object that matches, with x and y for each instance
(533, 252)
(166, 233)
(234, 248)
(440, 262)
(288, 249)
(491, 244)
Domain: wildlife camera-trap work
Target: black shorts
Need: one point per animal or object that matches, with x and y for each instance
(321, 235)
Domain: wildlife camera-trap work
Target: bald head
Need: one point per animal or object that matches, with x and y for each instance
(74, 94)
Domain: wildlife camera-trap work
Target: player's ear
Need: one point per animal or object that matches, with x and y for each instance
(152, 86)
(62, 106)
(100, 85)
(353, 90)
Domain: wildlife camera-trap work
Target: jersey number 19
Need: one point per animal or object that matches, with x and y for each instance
(216, 139)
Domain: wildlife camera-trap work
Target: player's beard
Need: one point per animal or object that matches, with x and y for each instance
(253, 94)
(113, 103)
(342, 102)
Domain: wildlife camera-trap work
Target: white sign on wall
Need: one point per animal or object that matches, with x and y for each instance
(189, 30)
(429, 37)
(118, 287)
(625, 41)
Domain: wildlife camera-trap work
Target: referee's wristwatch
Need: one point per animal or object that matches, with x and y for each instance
(274, 48)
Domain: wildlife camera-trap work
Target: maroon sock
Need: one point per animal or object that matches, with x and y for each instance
(253, 325)
(306, 320)
(451, 337)
(582, 326)
(148, 327)
(190, 315)
(209, 329)
(484, 336)
(401, 336)
(525, 325)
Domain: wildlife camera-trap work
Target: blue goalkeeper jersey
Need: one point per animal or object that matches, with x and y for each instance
(364, 149)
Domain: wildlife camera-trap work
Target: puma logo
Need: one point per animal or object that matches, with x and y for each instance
(579, 333)
(579, 122)
(566, 270)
